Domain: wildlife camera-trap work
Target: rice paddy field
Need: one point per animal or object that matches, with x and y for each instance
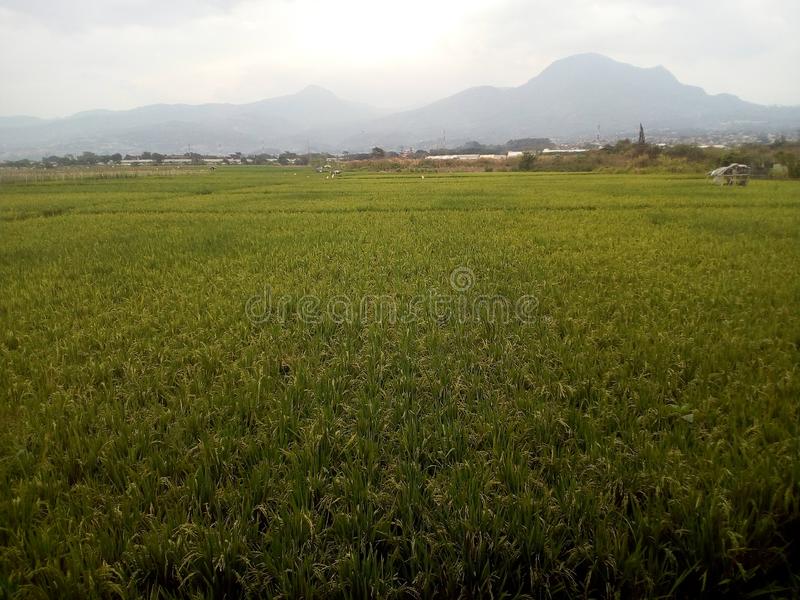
(196, 401)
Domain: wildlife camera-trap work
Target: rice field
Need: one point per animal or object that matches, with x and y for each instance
(264, 383)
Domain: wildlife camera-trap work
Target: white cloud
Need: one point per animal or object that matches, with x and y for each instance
(80, 15)
(58, 57)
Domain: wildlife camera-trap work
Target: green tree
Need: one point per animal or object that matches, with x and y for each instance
(527, 162)
(87, 158)
(285, 157)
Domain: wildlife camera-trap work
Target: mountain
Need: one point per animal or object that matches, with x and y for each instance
(570, 99)
(270, 125)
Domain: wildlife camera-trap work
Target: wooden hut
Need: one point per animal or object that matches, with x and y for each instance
(734, 174)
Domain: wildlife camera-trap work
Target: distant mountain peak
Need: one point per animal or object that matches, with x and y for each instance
(585, 58)
(591, 62)
(316, 91)
(581, 61)
(575, 98)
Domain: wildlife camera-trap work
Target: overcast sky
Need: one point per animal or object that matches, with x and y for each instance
(59, 57)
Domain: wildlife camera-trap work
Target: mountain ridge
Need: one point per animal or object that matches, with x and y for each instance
(570, 99)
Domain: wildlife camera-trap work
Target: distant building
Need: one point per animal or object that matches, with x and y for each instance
(564, 150)
(135, 162)
(467, 157)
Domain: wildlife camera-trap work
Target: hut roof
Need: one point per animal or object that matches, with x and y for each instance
(734, 168)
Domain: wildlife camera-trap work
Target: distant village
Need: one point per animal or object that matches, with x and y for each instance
(512, 152)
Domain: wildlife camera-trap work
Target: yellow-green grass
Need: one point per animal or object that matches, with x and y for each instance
(639, 436)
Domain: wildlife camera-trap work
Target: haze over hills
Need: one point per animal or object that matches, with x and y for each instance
(270, 125)
(569, 100)
(576, 95)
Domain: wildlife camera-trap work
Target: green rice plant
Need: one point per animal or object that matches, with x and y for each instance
(636, 434)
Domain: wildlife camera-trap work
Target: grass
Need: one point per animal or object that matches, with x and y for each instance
(638, 437)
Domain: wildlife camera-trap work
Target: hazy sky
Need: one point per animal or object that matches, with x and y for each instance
(59, 57)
